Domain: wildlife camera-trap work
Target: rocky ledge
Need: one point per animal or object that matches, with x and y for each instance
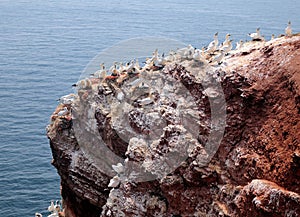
(125, 146)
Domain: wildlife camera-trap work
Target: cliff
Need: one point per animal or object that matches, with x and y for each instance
(202, 140)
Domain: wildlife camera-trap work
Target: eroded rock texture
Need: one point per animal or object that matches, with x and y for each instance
(254, 171)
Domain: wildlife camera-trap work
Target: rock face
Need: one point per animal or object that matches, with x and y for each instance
(254, 170)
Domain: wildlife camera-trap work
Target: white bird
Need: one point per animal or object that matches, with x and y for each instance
(129, 67)
(101, 73)
(61, 113)
(51, 207)
(218, 58)
(83, 84)
(288, 29)
(114, 182)
(155, 55)
(119, 168)
(186, 52)
(67, 99)
(57, 207)
(213, 45)
(114, 66)
(171, 56)
(137, 65)
(199, 56)
(256, 36)
(38, 214)
(272, 37)
(226, 48)
(239, 44)
(162, 61)
(227, 40)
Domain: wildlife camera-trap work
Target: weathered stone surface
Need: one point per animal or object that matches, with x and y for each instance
(254, 172)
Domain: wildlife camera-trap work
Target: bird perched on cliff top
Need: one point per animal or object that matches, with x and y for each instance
(227, 47)
(63, 112)
(227, 40)
(256, 36)
(272, 37)
(288, 29)
(239, 44)
(218, 58)
(212, 47)
(83, 84)
(114, 182)
(101, 73)
(199, 56)
(51, 207)
(67, 100)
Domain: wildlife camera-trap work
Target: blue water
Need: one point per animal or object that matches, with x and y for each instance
(45, 45)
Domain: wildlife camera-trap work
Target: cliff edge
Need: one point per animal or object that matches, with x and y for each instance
(254, 170)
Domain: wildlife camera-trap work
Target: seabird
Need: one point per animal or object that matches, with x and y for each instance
(67, 100)
(218, 58)
(213, 45)
(227, 40)
(137, 65)
(114, 66)
(162, 60)
(272, 37)
(114, 182)
(186, 52)
(239, 44)
(38, 214)
(83, 84)
(51, 207)
(199, 55)
(288, 29)
(119, 168)
(226, 48)
(61, 113)
(256, 36)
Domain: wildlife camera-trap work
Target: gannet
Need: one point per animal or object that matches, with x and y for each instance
(189, 52)
(114, 66)
(130, 66)
(83, 84)
(272, 37)
(227, 40)
(119, 168)
(155, 55)
(51, 207)
(213, 45)
(171, 56)
(162, 60)
(199, 55)
(101, 73)
(186, 52)
(256, 35)
(38, 214)
(67, 100)
(239, 44)
(137, 65)
(114, 182)
(218, 58)
(288, 29)
(61, 113)
(226, 48)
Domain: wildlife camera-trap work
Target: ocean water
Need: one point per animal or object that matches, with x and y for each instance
(45, 46)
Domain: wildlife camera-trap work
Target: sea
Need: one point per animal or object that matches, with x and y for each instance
(45, 45)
